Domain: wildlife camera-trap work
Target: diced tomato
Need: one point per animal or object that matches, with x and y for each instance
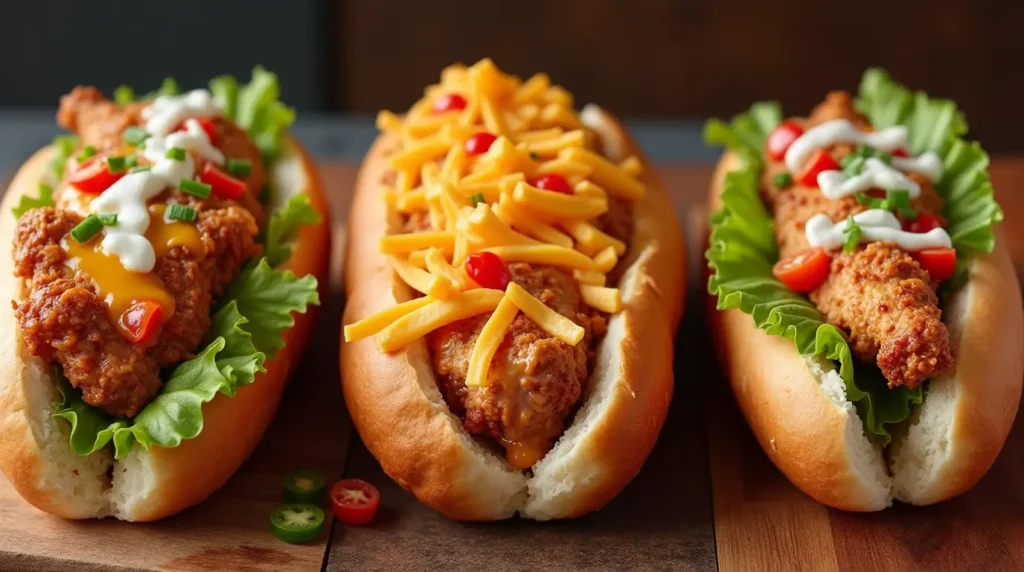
(479, 143)
(354, 501)
(781, 138)
(554, 183)
(449, 102)
(805, 271)
(923, 223)
(939, 262)
(488, 270)
(223, 184)
(876, 193)
(820, 161)
(93, 176)
(141, 321)
(900, 152)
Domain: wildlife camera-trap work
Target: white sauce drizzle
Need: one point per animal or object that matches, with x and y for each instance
(841, 131)
(876, 225)
(168, 111)
(876, 175)
(928, 164)
(129, 195)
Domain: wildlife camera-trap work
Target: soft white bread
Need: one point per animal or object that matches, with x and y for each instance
(405, 423)
(799, 413)
(146, 485)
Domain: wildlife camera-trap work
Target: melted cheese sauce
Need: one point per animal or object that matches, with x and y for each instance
(165, 234)
(876, 225)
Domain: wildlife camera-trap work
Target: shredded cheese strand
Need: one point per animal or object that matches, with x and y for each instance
(491, 336)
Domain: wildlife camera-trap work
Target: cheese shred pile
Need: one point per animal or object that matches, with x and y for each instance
(484, 202)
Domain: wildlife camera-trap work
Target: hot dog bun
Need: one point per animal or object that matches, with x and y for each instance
(146, 485)
(404, 421)
(798, 411)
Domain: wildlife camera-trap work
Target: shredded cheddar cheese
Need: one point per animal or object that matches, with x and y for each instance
(490, 338)
(454, 201)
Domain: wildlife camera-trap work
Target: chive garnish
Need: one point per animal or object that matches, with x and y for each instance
(783, 180)
(176, 153)
(87, 229)
(181, 212)
(134, 135)
(108, 219)
(852, 232)
(239, 167)
(115, 164)
(477, 199)
(195, 188)
(87, 151)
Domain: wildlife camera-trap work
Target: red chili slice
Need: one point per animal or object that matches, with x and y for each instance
(141, 321)
(223, 185)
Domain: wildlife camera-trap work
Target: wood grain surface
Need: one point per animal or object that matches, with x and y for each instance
(664, 520)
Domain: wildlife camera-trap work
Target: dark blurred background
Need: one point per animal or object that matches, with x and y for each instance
(664, 64)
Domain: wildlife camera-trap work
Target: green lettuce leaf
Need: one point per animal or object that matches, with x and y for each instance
(256, 107)
(62, 148)
(254, 319)
(283, 224)
(936, 125)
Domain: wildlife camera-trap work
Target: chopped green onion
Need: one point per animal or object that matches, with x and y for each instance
(898, 198)
(195, 188)
(239, 167)
(867, 200)
(124, 95)
(139, 169)
(87, 151)
(108, 219)
(87, 229)
(477, 199)
(908, 214)
(852, 232)
(131, 161)
(176, 153)
(783, 180)
(134, 135)
(181, 212)
(535, 156)
(115, 164)
(852, 165)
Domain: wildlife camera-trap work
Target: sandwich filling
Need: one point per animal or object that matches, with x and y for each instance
(146, 231)
(509, 225)
(844, 229)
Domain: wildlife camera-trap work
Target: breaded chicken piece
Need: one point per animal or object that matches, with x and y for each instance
(878, 293)
(882, 296)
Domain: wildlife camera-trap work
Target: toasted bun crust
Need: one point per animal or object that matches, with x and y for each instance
(405, 423)
(799, 413)
(146, 485)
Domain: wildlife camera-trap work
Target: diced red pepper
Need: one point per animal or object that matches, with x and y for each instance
(488, 270)
(820, 161)
(900, 152)
(805, 271)
(141, 321)
(93, 176)
(206, 124)
(939, 262)
(449, 102)
(223, 185)
(553, 182)
(479, 143)
(781, 138)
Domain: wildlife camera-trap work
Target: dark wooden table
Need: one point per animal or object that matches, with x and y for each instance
(707, 497)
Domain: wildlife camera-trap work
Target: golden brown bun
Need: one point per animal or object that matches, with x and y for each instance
(149, 485)
(798, 411)
(405, 423)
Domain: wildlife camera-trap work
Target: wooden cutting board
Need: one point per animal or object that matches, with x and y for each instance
(664, 520)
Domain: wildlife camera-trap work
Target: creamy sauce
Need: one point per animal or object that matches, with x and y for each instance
(928, 164)
(876, 225)
(876, 175)
(841, 131)
(168, 111)
(129, 196)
